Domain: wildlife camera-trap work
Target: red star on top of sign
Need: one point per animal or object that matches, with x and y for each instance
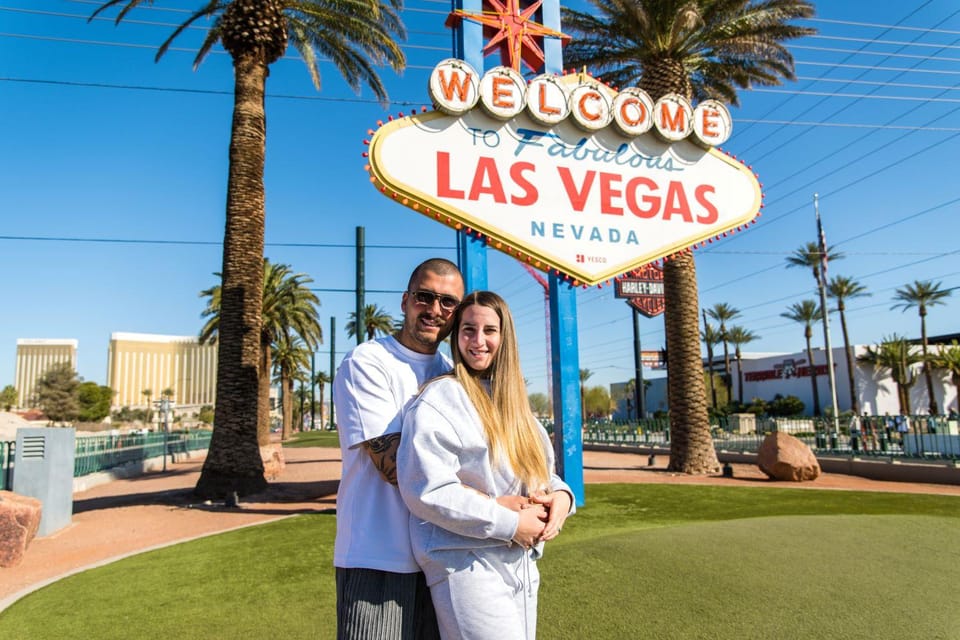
(510, 29)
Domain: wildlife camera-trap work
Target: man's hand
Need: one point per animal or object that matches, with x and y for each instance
(383, 454)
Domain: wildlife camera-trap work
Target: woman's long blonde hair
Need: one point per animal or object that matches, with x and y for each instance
(511, 429)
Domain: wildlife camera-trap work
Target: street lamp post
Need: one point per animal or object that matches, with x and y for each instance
(165, 411)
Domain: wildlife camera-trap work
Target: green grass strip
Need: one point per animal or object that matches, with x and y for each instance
(314, 439)
(638, 561)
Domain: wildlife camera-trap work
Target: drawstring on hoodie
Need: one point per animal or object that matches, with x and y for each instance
(528, 583)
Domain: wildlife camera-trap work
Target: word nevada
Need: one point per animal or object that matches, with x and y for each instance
(456, 88)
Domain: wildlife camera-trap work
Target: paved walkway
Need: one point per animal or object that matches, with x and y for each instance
(124, 517)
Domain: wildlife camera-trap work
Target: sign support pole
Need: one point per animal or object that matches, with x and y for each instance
(468, 46)
(567, 417)
(564, 339)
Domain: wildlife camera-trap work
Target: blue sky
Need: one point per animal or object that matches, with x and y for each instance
(105, 152)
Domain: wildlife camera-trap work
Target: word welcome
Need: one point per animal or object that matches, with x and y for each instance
(456, 87)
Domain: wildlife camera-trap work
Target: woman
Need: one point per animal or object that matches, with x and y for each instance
(475, 469)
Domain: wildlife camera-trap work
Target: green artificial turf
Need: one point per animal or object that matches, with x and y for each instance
(638, 561)
(320, 438)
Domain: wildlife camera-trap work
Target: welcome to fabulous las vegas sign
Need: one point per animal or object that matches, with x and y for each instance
(563, 172)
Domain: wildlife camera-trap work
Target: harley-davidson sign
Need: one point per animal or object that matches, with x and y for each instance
(643, 289)
(541, 173)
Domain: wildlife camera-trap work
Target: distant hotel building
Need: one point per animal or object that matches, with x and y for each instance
(140, 361)
(34, 358)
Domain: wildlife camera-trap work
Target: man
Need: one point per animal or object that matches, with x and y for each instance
(381, 592)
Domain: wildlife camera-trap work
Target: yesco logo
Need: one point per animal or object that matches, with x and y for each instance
(456, 88)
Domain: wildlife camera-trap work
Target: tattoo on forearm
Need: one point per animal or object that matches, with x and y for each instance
(383, 453)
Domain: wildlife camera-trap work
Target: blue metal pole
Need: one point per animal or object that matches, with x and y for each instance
(567, 417)
(564, 347)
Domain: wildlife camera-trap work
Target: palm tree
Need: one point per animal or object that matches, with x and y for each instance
(898, 355)
(949, 360)
(355, 35)
(809, 256)
(923, 294)
(376, 320)
(710, 336)
(288, 305)
(807, 312)
(721, 312)
(738, 336)
(291, 358)
(321, 379)
(148, 394)
(698, 49)
(842, 289)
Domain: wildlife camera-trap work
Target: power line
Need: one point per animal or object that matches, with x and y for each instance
(309, 245)
(215, 92)
(417, 103)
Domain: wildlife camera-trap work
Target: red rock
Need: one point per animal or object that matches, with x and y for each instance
(19, 522)
(785, 457)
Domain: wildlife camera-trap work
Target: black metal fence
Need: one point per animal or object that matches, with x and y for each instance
(915, 437)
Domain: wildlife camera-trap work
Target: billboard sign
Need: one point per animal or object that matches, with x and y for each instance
(564, 173)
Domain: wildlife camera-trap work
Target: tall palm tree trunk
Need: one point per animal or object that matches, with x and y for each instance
(713, 386)
(263, 394)
(903, 393)
(956, 383)
(739, 377)
(927, 373)
(851, 363)
(286, 383)
(320, 400)
(727, 377)
(813, 376)
(691, 446)
(234, 463)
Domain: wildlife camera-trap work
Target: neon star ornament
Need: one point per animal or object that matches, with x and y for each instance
(509, 29)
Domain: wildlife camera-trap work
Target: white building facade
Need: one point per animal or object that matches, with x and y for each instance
(34, 357)
(789, 375)
(139, 362)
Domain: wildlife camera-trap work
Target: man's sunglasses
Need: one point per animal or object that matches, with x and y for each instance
(426, 298)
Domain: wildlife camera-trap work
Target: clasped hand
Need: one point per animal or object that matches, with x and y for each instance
(541, 516)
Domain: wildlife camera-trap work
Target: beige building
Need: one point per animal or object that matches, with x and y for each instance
(34, 358)
(140, 361)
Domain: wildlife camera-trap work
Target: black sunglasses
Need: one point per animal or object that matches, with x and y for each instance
(426, 298)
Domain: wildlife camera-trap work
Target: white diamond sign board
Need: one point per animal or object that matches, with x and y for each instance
(590, 204)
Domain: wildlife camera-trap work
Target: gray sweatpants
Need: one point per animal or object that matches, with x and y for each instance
(494, 598)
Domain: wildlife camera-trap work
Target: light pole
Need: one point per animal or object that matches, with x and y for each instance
(821, 286)
(165, 410)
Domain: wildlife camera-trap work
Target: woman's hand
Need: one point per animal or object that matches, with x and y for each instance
(530, 527)
(558, 505)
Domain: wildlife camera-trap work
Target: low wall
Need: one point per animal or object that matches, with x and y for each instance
(131, 470)
(882, 468)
